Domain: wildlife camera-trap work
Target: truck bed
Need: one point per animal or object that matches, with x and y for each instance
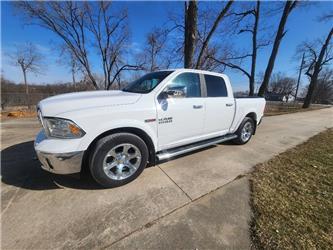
(246, 105)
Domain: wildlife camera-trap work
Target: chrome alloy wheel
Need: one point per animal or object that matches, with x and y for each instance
(122, 161)
(247, 132)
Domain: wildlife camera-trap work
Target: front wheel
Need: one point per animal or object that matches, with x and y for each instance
(245, 131)
(118, 159)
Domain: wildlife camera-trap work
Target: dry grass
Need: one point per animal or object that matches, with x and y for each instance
(22, 113)
(292, 197)
(286, 108)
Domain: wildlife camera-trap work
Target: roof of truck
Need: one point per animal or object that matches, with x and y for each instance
(194, 71)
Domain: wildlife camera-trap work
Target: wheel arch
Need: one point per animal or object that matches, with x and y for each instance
(133, 130)
(253, 116)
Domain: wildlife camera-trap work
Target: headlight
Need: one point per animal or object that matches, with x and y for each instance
(62, 128)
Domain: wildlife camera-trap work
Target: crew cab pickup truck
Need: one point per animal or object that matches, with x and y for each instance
(159, 116)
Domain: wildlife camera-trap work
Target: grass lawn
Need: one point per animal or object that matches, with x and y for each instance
(278, 108)
(292, 197)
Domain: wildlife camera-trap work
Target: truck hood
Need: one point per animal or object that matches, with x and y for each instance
(55, 105)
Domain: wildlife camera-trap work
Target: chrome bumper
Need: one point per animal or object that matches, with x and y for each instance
(66, 163)
(58, 163)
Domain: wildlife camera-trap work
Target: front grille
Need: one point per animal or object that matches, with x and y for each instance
(40, 116)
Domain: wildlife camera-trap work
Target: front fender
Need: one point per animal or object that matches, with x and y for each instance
(124, 123)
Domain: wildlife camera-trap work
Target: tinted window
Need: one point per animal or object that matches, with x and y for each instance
(147, 83)
(189, 82)
(215, 86)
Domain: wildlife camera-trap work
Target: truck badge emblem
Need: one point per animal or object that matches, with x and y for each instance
(165, 120)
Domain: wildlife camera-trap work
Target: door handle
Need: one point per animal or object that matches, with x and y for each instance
(197, 106)
(229, 104)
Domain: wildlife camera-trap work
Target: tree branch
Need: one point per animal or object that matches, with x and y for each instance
(233, 66)
(211, 32)
(124, 67)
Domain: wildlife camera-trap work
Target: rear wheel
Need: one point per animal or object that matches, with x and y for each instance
(118, 159)
(245, 131)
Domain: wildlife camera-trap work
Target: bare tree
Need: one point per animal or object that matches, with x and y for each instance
(315, 60)
(256, 14)
(190, 32)
(75, 68)
(323, 93)
(155, 54)
(196, 29)
(80, 24)
(288, 7)
(111, 33)
(67, 58)
(206, 40)
(284, 85)
(234, 61)
(28, 58)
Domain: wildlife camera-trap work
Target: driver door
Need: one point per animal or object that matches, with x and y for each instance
(180, 111)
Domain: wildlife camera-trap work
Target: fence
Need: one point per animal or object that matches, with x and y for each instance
(11, 99)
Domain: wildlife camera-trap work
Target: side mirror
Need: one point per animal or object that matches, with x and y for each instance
(176, 92)
(163, 96)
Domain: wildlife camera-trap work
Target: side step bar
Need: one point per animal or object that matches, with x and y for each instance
(166, 154)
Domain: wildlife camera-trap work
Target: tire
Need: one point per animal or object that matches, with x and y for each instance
(245, 131)
(118, 159)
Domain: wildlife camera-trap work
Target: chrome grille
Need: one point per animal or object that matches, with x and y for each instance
(40, 116)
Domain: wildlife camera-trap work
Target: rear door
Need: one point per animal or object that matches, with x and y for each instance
(219, 105)
(181, 117)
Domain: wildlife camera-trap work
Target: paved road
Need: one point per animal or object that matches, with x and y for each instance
(194, 201)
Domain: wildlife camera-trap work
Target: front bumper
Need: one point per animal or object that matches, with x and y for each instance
(55, 162)
(67, 163)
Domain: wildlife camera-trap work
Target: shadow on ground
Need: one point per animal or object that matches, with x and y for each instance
(20, 167)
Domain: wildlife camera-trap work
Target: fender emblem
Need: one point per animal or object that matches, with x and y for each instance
(150, 120)
(165, 120)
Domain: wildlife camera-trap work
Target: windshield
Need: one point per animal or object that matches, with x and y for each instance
(147, 83)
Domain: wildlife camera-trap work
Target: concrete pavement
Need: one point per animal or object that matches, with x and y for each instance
(215, 221)
(189, 202)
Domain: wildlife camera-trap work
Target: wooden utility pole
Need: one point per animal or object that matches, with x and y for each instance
(299, 77)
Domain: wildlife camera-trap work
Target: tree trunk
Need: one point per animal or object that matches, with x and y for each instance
(152, 66)
(289, 5)
(92, 79)
(26, 87)
(254, 50)
(316, 71)
(73, 78)
(190, 18)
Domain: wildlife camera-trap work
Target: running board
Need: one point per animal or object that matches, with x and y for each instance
(170, 153)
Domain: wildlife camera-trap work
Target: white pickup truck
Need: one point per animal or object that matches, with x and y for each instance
(159, 116)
